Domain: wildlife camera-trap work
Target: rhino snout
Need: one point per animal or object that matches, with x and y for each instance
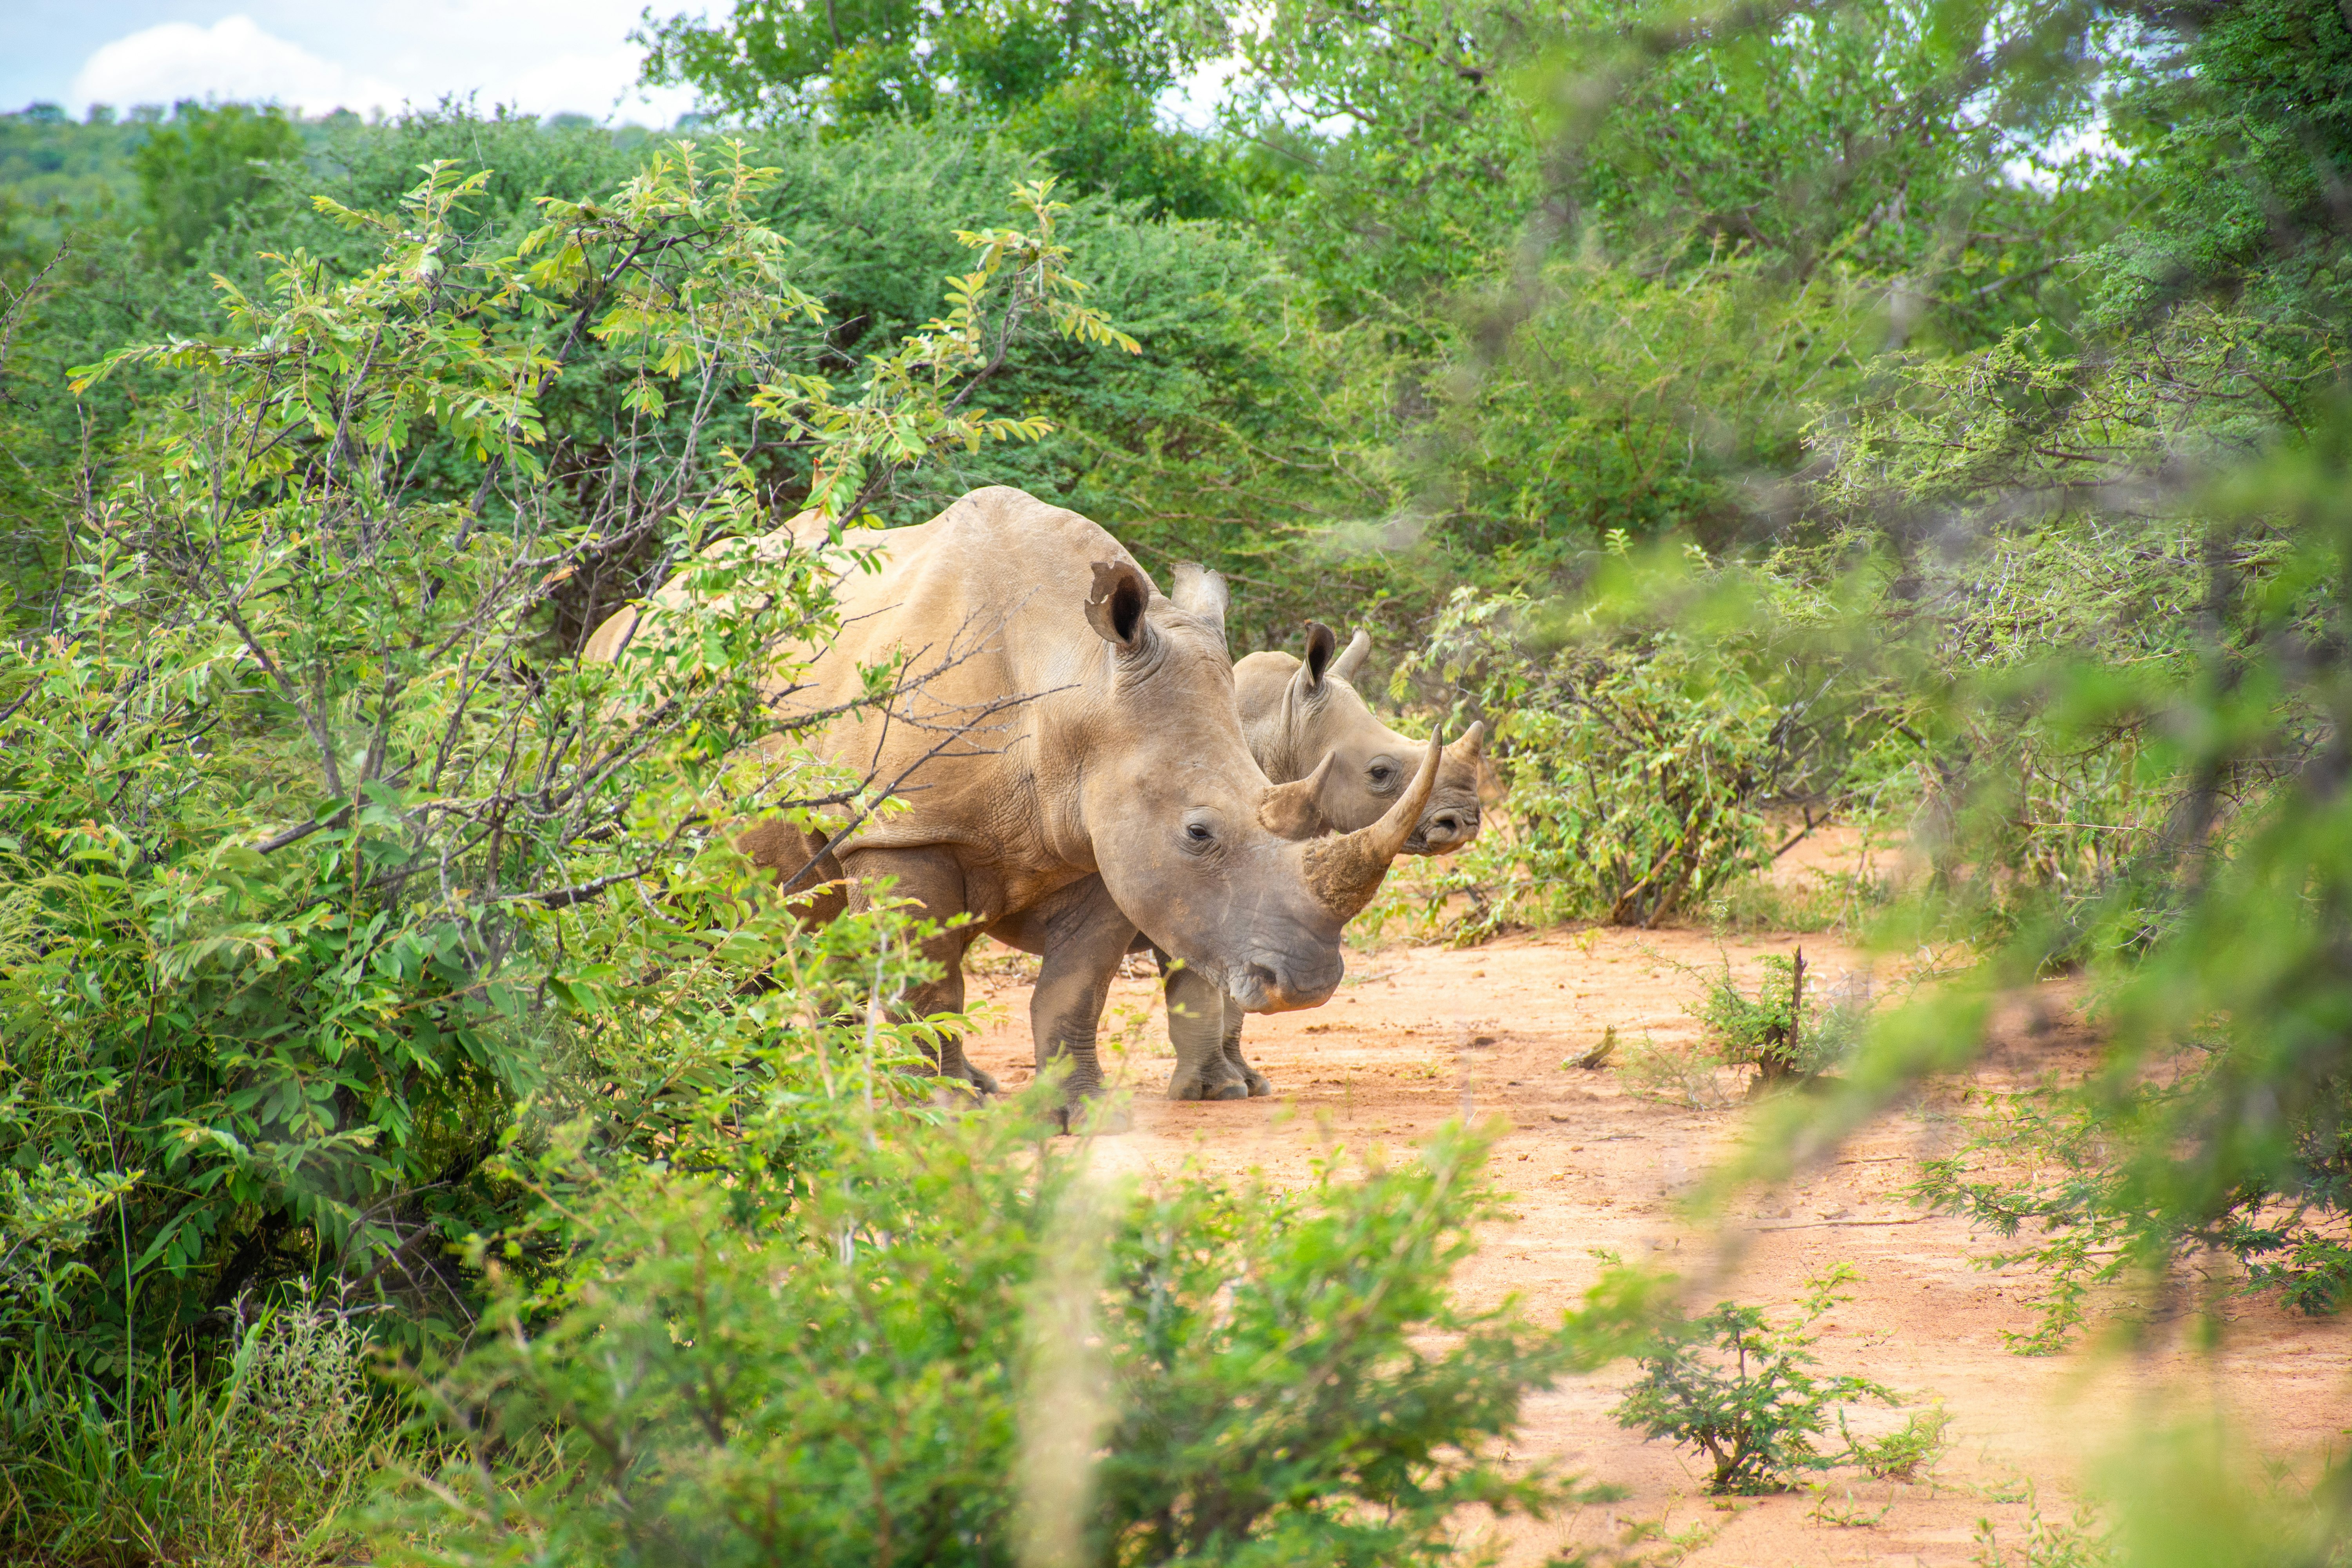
(1281, 985)
(1446, 828)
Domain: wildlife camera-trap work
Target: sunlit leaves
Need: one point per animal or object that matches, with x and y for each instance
(324, 866)
(914, 400)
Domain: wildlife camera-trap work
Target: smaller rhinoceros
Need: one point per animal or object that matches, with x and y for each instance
(1303, 719)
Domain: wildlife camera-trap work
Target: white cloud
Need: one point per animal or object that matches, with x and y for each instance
(1194, 99)
(233, 59)
(587, 84)
(543, 56)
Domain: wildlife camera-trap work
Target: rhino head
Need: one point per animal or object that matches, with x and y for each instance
(1209, 858)
(1305, 721)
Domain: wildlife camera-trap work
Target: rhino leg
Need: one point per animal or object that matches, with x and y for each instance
(1084, 938)
(935, 882)
(1196, 1027)
(1230, 1048)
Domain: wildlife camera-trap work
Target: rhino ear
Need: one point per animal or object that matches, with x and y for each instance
(1350, 663)
(1320, 641)
(1115, 609)
(1201, 592)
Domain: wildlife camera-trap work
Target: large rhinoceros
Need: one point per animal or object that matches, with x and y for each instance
(1306, 727)
(1061, 722)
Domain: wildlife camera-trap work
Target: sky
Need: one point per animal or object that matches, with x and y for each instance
(544, 57)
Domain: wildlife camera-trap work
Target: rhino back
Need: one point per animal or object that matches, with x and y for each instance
(1002, 680)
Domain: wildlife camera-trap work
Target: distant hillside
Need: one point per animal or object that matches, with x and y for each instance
(51, 165)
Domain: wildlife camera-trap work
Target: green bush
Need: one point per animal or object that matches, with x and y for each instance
(1904, 1454)
(861, 1334)
(2049, 1170)
(1638, 772)
(322, 876)
(1783, 1031)
(1741, 1390)
(202, 164)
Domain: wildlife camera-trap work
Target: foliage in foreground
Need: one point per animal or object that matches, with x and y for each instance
(865, 1338)
(320, 868)
(2139, 776)
(2046, 1170)
(239, 1462)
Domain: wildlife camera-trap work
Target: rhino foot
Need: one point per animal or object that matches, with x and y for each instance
(1207, 1085)
(1257, 1084)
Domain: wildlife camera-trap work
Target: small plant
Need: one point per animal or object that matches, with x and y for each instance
(1905, 1455)
(297, 1389)
(246, 1459)
(1851, 1514)
(1674, 1072)
(1741, 1391)
(2078, 1542)
(1778, 1031)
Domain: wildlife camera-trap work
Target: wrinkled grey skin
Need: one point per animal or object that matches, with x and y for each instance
(1067, 746)
(1295, 713)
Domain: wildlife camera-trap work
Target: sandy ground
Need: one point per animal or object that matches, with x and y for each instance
(1417, 1035)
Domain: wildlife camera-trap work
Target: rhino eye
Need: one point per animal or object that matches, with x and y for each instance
(1382, 774)
(1199, 836)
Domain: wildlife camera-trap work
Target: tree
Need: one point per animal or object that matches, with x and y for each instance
(840, 61)
(2240, 128)
(204, 164)
(1811, 132)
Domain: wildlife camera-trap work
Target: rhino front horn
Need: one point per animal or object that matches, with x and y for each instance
(1345, 872)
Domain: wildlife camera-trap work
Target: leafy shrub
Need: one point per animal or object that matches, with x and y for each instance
(1736, 1388)
(1674, 1072)
(2049, 1165)
(1637, 772)
(1903, 1454)
(868, 1335)
(326, 874)
(1775, 1031)
(2078, 1541)
(47, 1216)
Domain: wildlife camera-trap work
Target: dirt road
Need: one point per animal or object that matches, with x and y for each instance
(1418, 1034)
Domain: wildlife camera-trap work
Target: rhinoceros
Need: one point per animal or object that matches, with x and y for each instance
(1062, 722)
(1305, 726)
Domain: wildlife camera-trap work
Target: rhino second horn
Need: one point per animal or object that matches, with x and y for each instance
(1344, 871)
(1470, 747)
(1295, 810)
(1351, 663)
